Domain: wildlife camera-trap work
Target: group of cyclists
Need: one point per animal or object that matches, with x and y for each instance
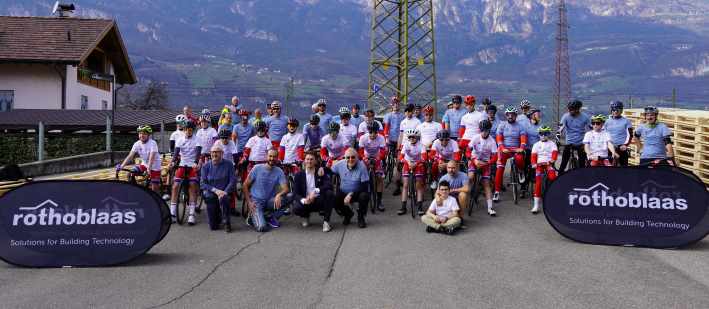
(468, 149)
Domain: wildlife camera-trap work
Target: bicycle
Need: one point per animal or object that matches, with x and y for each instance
(430, 179)
(132, 177)
(183, 194)
(412, 192)
(514, 181)
(390, 163)
(475, 190)
(372, 187)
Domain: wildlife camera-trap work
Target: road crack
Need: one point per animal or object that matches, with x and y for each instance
(330, 271)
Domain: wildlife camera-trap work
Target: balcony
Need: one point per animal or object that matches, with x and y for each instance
(84, 76)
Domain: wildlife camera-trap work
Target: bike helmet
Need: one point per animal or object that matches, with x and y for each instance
(544, 131)
(616, 105)
(206, 112)
(492, 108)
(651, 110)
(487, 101)
(314, 120)
(373, 127)
(334, 127)
(525, 103)
(575, 104)
(276, 105)
(243, 112)
(181, 119)
(428, 110)
(225, 133)
(443, 134)
(469, 100)
(409, 107)
(457, 99)
(344, 110)
(412, 132)
(532, 111)
(485, 125)
(294, 122)
(260, 125)
(206, 117)
(145, 128)
(190, 125)
(511, 110)
(322, 102)
(598, 118)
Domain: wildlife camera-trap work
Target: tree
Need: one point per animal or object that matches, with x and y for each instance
(154, 97)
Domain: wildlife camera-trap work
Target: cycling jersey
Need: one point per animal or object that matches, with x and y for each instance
(429, 130)
(349, 133)
(177, 136)
(188, 151)
(617, 128)
(392, 122)
(523, 120)
(598, 143)
(413, 152)
(277, 127)
(470, 125)
(243, 133)
(532, 134)
(408, 124)
(292, 146)
(511, 135)
(356, 120)
(575, 127)
(362, 129)
(206, 138)
(452, 118)
(325, 120)
(372, 148)
(333, 148)
(483, 149)
(653, 139)
(258, 148)
(313, 136)
(447, 152)
(144, 150)
(544, 152)
(229, 149)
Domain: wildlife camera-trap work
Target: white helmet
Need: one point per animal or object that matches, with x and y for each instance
(276, 104)
(412, 132)
(321, 101)
(344, 110)
(181, 119)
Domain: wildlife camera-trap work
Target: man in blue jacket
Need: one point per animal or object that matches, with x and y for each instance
(217, 184)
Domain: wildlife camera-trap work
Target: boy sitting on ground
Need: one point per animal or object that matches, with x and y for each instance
(442, 215)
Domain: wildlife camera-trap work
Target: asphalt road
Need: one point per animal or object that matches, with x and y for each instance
(515, 260)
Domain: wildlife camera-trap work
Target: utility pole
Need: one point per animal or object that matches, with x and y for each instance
(562, 82)
(289, 94)
(674, 97)
(402, 54)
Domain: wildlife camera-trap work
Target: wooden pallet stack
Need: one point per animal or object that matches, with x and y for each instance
(690, 129)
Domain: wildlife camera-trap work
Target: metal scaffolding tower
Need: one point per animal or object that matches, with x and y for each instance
(562, 83)
(402, 54)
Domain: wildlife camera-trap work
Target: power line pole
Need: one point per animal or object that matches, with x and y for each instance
(674, 97)
(402, 54)
(562, 83)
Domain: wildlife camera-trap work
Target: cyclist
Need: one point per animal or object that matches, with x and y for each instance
(206, 136)
(486, 102)
(575, 123)
(313, 134)
(442, 151)
(392, 123)
(469, 124)
(369, 119)
(187, 111)
(525, 106)
(181, 121)
(333, 145)
(621, 132)
(325, 118)
(452, 117)
(512, 139)
(408, 123)
(256, 149)
(292, 150)
(265, 191)
(491, 111)
(258, 116)
(242, 132)
(356, 119)
(544, 154)
(482, 160)
(413, 155)
(347, 130)
(147, 149)
(428, 128)
(654, 140)
(534, 117)
(417, 112)
(187, 152)
(229, 150)
(372, 150)
(597, 143)
(276, 124)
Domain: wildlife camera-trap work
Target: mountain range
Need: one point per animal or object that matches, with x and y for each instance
(209, 50)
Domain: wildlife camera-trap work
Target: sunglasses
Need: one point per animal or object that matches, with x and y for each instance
(597, 123)
(350, 157)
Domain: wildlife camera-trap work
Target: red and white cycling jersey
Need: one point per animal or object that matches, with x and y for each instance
(413, 152)
(349, 133)
(544, 150)
(471, 122)
(188, 150)
(483, 148)
(144, 150)
(428, 132)
(259, 148)
(445, 152)
(206, 138)
(335, 147)
(291, 142)
(372, 147)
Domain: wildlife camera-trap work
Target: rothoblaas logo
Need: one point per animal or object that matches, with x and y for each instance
(598, 195)
(47, 214)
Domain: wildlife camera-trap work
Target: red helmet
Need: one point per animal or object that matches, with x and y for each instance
(243, 112)
(469, 100)
(428, 110)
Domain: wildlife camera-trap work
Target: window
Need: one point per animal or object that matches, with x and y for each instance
(84, 102)
(104, 104)
(7, 99)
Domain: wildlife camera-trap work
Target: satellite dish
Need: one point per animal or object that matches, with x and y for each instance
(55, 8)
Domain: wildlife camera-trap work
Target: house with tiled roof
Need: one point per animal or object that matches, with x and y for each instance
(61, 63)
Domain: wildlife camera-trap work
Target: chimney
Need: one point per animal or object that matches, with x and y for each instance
(63, 10)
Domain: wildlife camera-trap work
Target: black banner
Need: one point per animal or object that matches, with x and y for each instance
(79, 223)
(657, 208)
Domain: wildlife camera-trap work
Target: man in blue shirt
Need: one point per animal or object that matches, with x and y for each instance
(575, 124)
(356, 118)
(654, 140)
(265, 192)
(392, 123)
(217, 183)
(459, 185)
(354, 186)
(325, 118)
(277, 125)
(621, 131)
(451, 119)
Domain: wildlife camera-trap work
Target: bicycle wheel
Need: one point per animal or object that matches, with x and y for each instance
(412, 194)
(473, 194)
(390, 166)
(430, 181)
(514, 181)
(182, 201)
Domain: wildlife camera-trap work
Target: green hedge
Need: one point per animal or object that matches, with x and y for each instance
(22, 148)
